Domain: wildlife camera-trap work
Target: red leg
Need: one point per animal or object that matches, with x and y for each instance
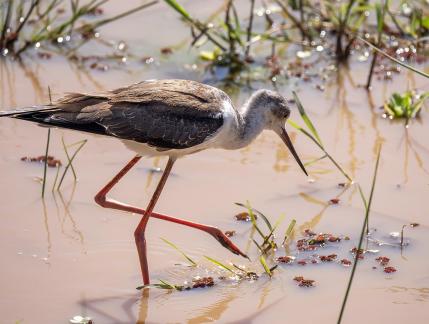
(103, 201)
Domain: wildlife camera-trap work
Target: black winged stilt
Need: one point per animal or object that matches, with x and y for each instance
(166, 118)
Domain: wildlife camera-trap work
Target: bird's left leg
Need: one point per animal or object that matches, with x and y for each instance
(106, 202)
(139, 233)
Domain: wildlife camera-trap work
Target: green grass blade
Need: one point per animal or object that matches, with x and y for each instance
(305, 118)
(68, 157)
(46, 162)
(253, 219)
(365, 203)
(265, 266)
(260, 248)
(176, 6)
(122, 15)
(302, 130)
(315, 160)
(362, 234)
(70, 162)
(166, 284)
(278, 222)
(192, 262)
(289, 230)
(255, 211)
(218, 263)
(393, 59)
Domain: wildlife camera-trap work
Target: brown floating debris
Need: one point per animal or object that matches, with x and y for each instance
(252, 276)
(244, 216)
(383, 260)
(304, 282)
(315, 240)
(334, 201)
(51, 161)
(346, 262)
(389, 269)
(44, 55)
(202, 282)
(97, 11)
(229, 233)
(286, 259)
(328, 258)
(309, 232)
(360, 253)
(166, 51)
(302, 262)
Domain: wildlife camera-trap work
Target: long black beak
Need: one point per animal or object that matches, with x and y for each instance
(286, 139)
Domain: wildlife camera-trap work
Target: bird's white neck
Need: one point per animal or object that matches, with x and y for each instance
(248, 124)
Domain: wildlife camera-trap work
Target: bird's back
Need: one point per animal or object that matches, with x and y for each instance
(166, 114)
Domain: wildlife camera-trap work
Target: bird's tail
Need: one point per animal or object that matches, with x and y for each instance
(27, 112)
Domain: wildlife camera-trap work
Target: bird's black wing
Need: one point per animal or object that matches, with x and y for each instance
(160, 126)
(167, 114)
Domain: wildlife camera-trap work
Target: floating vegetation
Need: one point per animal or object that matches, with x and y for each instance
(288, 259)
(382, 260)
(346, 262)
(230, 233)
(389, 269)
(202, 282)
(52, 161)
(406, 105)
(304, 282)
(243, 217)
(315, 241)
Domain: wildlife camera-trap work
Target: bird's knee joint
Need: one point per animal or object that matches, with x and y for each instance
(139, 236)
(100, 200)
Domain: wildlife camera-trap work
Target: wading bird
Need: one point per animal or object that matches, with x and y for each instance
(166, 118)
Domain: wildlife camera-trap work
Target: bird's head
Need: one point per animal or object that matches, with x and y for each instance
(276, 111)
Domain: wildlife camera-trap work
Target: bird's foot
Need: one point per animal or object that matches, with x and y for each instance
(226, 242)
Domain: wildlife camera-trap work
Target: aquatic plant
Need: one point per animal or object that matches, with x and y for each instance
(380, 14)
(51, 24)
(312, 134)
(268, 239)
(192, 262)
(70, 159)
(406, 105)
(231, 43)
(364, 230)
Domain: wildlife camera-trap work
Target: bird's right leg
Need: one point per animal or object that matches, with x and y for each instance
(106, 202)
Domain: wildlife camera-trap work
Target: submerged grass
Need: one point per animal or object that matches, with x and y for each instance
(45, 166)
(192, 262)
(362, 234)
(289, 230)
(220, 264)
(70, 160)
(268, 242)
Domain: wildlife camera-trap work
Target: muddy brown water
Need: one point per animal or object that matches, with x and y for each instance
(66, 256)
